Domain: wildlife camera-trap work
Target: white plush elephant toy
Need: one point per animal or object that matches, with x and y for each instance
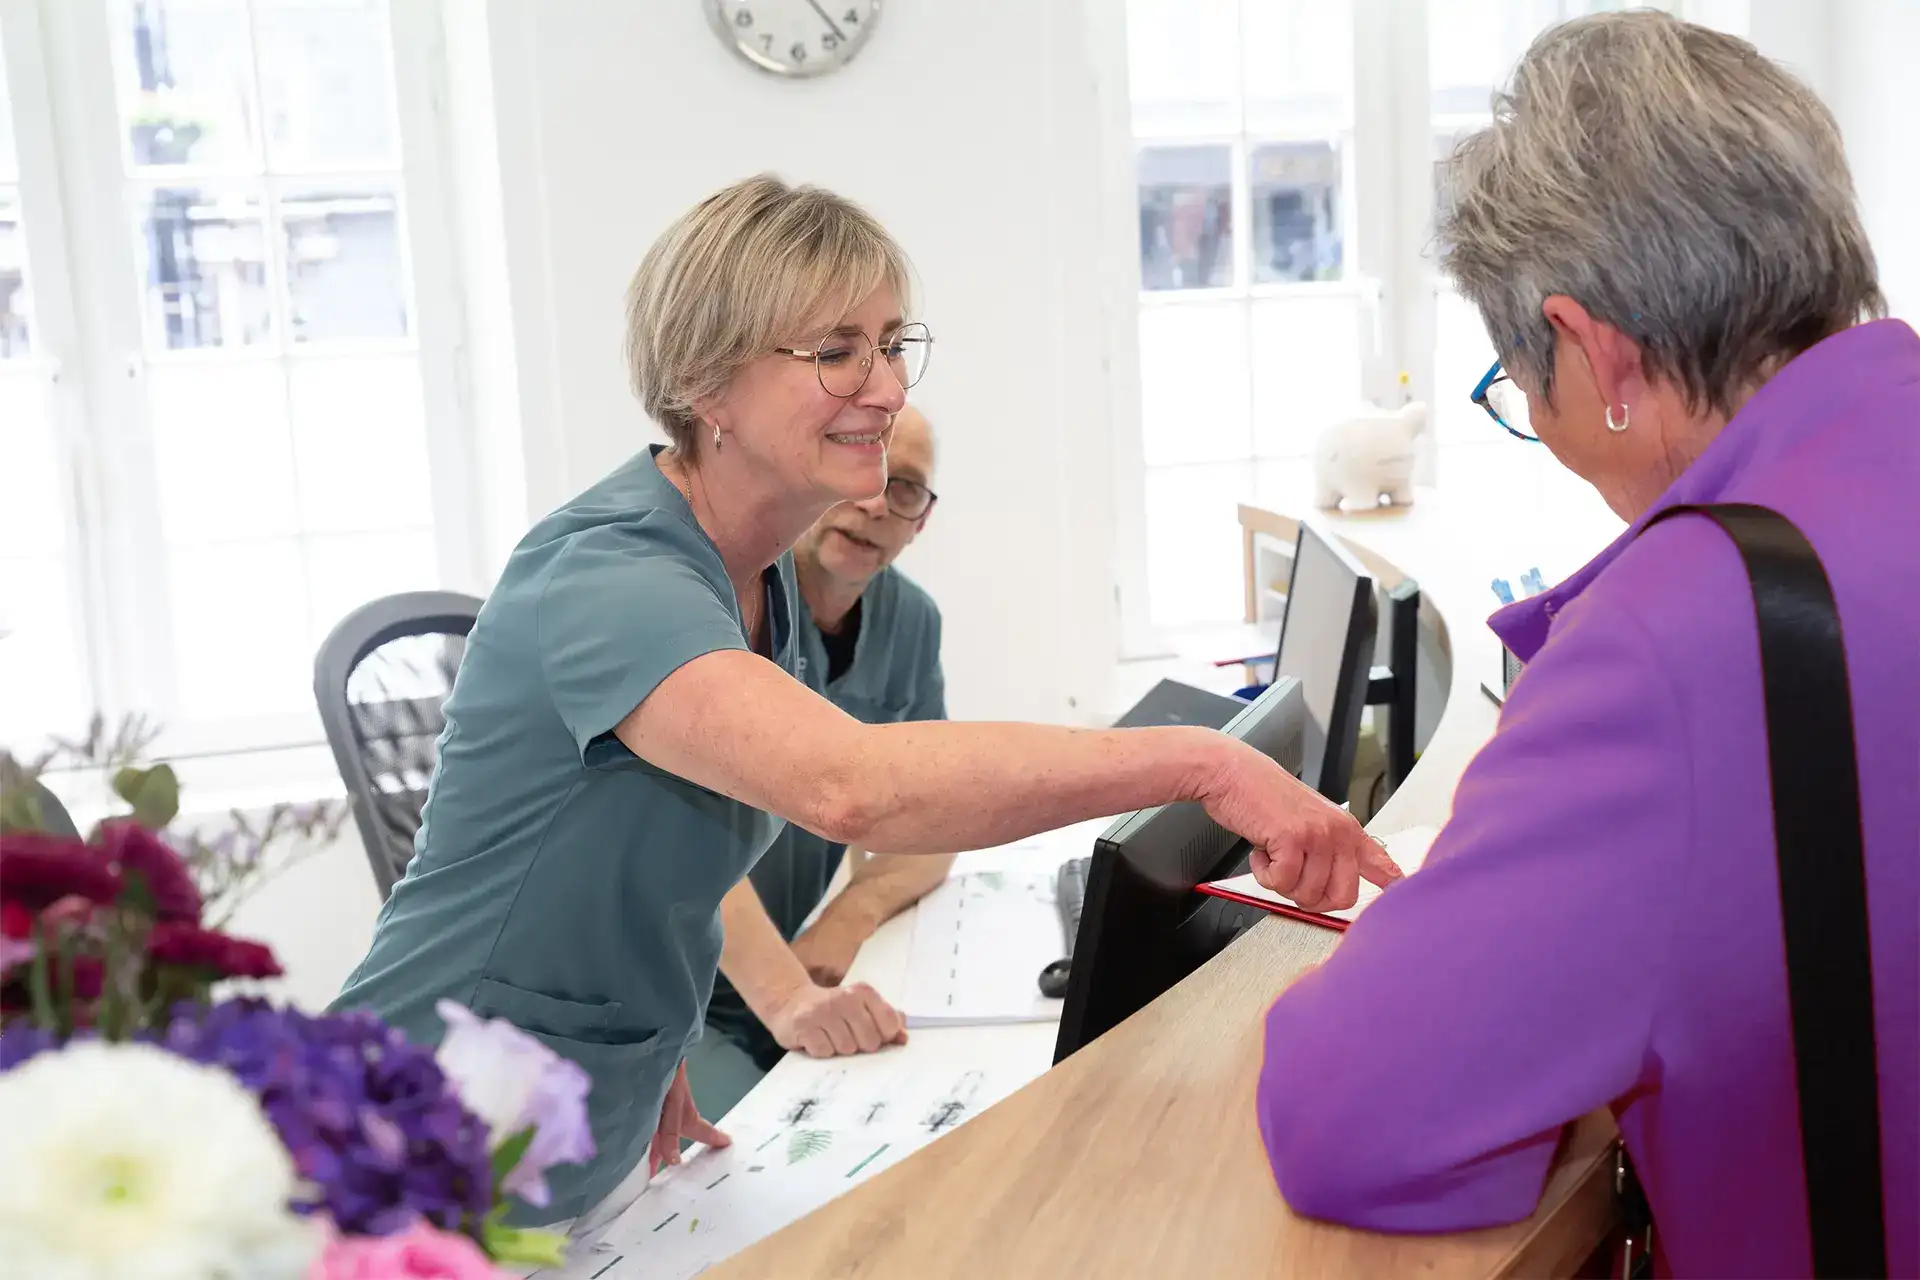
(1369, 457)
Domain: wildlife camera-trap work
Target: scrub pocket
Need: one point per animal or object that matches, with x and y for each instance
(631, 1069)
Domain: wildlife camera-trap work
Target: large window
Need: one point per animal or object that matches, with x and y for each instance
(229, 448)
(1252, 301)
(1285, 157)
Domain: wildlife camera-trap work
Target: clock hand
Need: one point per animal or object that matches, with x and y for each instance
(824, 18)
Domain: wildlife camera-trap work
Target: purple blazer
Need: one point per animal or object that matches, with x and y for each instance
(1599, 923)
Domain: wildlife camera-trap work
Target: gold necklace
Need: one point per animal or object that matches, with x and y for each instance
(747, 627)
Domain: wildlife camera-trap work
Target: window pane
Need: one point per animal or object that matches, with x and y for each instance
(346, 279)
(186, 84)
(360, 443)
(1295, 189)
(32, 513)
(1194, 572)
(328, 84)
(14, 306)
(240, 632)
(9, 158)
(41, 689)
(1306, 370)
(1298, 66)
(1193, 382)
(345, 571)
(1462, 354)
(1183, 59)
(222, 454)
(1186, 217)
(204, 257)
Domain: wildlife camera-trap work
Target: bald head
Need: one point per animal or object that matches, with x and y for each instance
(854, 541)
(910, 450)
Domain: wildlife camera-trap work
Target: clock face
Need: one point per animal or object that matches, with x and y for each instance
(795, 37)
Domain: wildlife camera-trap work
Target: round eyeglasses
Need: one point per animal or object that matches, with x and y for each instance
(909, 499)
(1505, 403)
(843, 359)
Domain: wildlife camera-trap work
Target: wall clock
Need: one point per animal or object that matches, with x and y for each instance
(795, 37)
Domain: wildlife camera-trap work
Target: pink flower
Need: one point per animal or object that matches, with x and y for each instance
(173, 942)
(138, 853)
(16, 936)
(419, 1253)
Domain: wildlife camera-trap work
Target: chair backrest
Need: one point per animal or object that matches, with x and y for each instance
(380, 678)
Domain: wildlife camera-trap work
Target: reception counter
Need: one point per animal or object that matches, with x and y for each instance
(1139, 1155)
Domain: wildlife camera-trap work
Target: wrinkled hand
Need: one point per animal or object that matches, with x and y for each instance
(827, 953)
(679, 1118)
(1304, 846)
(825, 1022)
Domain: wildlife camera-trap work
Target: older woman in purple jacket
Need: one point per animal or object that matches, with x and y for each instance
(1659, 229)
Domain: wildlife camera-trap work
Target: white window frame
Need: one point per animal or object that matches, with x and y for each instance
(89, 307)
(1387, 151)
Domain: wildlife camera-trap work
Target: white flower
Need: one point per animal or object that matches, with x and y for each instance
(514, 1082)
(124, 1160)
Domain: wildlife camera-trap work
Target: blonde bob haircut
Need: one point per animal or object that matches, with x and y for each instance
(749, 268)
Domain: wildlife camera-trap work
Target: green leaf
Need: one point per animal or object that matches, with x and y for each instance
(40, 985)
(508, 1154)
(807, 1143)
(20, 811)
(523, 1244)
(154, 794)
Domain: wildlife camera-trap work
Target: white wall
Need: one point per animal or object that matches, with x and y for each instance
(965, 128)
(1875, 62)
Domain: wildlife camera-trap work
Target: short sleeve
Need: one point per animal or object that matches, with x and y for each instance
(930, 681)
(623, 608)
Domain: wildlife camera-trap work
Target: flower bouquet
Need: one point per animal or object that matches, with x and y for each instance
(154, 1129)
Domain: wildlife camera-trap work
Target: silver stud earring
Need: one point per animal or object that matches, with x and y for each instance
(716, 438)
(1617, 427)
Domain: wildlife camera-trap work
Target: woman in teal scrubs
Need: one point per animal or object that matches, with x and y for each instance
(626, 735)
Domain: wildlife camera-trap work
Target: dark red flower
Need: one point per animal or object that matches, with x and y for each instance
(89, 976)
(37, 869)
(16, 921)
(138, 853)
(172, 942)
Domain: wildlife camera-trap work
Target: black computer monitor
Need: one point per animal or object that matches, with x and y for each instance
(1326, 643)
(1142, 927)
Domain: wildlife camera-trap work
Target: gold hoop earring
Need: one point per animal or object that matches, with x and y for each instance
(1617, 427)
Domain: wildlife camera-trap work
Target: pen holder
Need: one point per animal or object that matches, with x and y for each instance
(1509, 669)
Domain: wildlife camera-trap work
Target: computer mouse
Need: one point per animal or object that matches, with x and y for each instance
(1053, 980)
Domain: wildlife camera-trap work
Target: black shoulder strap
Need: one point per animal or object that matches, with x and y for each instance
(1823, 885)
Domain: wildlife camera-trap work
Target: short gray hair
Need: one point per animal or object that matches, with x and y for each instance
(738, 274)
(1676, 184)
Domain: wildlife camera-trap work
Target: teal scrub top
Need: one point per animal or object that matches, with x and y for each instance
(558, 880)
(895, 675)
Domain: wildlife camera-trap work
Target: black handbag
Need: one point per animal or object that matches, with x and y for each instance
(1814, 776)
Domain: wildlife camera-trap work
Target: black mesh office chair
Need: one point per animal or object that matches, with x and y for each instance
(380, 679)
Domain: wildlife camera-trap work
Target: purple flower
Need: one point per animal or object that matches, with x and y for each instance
(367, 1116)
(513, 1082)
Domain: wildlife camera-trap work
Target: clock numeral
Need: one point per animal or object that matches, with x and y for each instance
(852, 18)
(766, 42)
(744, 18)
(829, 42)
(798, 53)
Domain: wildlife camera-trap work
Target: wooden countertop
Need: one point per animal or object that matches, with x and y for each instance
(1139, 1155)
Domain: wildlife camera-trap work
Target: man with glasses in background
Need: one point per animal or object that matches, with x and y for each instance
(869, 641)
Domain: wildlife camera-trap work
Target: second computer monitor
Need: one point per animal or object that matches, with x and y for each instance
(1326, 643)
